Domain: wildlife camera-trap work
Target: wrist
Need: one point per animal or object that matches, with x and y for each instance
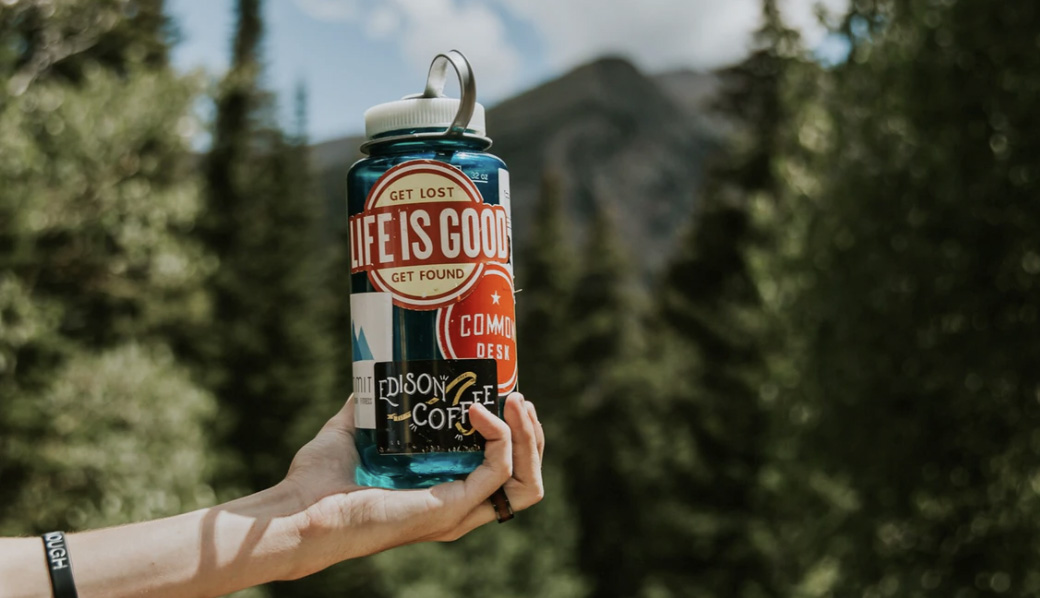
(316, 535)
(250, 541)
(285, 508)
(342, 526)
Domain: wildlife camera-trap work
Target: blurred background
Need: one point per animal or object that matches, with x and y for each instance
(779, 261)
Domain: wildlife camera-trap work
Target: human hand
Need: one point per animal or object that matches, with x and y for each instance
(342, 520)
(317, 516)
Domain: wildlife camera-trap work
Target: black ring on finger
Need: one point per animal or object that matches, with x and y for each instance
(503, 510)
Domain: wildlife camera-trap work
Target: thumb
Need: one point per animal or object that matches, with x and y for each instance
(343, 421)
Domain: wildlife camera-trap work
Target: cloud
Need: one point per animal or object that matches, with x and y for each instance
(383, 22)
(658, 34)
(433, 26)
(329, 10)
(424, 28)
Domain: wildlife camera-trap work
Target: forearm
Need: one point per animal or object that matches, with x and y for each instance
(316, 517)
(209, 552)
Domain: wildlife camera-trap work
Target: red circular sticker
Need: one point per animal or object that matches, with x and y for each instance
(425, 235)
(483, 325)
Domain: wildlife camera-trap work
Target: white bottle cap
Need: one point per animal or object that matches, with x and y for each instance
(420, 113)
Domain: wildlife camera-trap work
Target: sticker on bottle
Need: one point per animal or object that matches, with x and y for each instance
(423, 406)
(507, 204)
(425, 235)
(483, 326)
(372, 336)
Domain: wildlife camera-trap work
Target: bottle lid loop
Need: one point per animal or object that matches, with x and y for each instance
(435, 81)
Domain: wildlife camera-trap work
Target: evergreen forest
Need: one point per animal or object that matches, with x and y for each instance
(830, 387)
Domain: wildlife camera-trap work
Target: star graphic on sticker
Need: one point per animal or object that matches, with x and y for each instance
(495, 297)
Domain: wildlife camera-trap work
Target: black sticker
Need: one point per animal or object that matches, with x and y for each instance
(423, 406)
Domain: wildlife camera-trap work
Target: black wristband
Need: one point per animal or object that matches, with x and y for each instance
(59, 565)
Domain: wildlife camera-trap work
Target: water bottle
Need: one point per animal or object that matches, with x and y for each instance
(432, 300)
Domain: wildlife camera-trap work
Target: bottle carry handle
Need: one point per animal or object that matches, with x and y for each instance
(435, 80)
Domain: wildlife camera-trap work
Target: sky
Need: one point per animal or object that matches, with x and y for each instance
(352, 54)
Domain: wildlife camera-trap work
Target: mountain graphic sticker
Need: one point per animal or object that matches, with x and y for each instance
(371, 335)
(360, 346)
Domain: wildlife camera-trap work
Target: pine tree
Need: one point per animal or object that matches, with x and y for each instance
(713, 348)
(54, 61)
(338, 306)
(601, 307)
(95, 269)
(60, 40)
(270, 353)
(752, 97)
(267, 354)
(328, 332)
(716, 342)
(545, 279)
(534, 558)
(917, 382)
(599, 438)
(118, 436)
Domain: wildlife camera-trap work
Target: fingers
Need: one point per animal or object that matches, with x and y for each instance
(483, 514)
(498, 463)
(538, 431)
(526, 463)
(482, 481)
(525, 487)
(512, 459)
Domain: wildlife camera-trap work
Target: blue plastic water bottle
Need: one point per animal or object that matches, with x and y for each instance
(432, 299)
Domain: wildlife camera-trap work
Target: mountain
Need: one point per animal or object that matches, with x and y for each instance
(694, 92)
(691, 90)
(331, 160)
(634, 143)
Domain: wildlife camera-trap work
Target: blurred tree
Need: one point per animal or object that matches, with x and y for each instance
(117, 436)
(534, 555)
(598, 439)
(128, 266)
(601, 308)
(545, 273)
(95, 271)
(59, 39)
(711, 306)
(545, 276)
(917, 304)
(713, 520)
(268, 355)
(337, 305)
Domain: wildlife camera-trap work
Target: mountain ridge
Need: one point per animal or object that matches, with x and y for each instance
(619, 139)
